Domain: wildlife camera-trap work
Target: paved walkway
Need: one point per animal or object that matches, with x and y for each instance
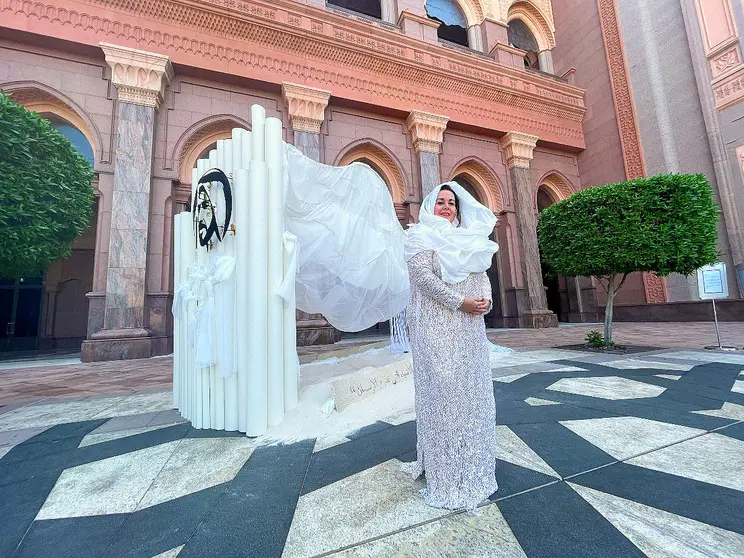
(599, 456)
(72, 379)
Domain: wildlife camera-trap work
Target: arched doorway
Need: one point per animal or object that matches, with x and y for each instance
(50, 311)
(495, 317)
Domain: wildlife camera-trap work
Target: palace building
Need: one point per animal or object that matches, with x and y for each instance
(523, 102)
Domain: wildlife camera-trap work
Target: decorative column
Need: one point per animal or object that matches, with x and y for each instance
(427, 135)
(140, 79)
(630, 137)
(518, 148)
(306, 107)
(545, 61)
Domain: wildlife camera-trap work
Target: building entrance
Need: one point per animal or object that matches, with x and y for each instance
(20, 313)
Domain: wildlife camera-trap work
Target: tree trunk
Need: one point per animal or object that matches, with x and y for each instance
(611, 290)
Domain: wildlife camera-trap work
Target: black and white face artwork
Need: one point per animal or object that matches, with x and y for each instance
(205, 212)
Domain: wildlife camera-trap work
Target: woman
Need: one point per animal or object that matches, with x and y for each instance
(448, 252)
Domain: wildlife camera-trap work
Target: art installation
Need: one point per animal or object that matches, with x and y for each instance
(270, 231)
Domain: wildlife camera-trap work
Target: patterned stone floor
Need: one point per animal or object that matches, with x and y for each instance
(598, 456)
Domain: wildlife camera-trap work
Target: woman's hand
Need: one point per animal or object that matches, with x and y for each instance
(475, 306)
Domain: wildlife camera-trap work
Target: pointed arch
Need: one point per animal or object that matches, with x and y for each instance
(384, 162)
(538, 23)
(556, 185)
(483, 179)
(45, 100)
(198, 137)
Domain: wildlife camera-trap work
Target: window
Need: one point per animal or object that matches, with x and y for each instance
(522, 38)
(370, 8)
(453, 25)
(76, 138)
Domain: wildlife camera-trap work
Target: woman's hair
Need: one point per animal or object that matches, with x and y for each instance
(457, 200)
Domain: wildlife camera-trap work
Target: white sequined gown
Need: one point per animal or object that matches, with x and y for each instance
(455, 410)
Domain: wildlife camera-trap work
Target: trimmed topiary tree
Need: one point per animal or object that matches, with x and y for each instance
(665, 224)
(45, 192)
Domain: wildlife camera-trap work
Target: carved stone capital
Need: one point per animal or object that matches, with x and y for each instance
(427, 131)
(518, 148)
(140, 77)
(306, 106)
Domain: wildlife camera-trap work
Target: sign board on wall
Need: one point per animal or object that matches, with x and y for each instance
(712, 282)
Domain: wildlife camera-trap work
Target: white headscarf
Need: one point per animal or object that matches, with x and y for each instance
(462, 249)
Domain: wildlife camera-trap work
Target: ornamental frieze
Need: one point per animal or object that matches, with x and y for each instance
(349, 58)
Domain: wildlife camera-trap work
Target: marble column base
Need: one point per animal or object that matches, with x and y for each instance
(538, 319)
(122, 344)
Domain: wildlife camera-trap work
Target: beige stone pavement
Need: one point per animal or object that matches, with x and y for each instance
(23, 385)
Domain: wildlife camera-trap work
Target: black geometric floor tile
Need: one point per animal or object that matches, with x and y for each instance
(513, 479)
(253, 516)
(341, 461)
(707, 503)
(57, 439)
(555, 521)
(64, 538)
(154, 530)
(369, 429)
(20, 502)
(565, 451)
(736, 430)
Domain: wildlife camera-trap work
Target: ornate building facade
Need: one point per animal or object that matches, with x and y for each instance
(522, 102)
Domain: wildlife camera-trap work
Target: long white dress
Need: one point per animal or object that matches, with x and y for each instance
(455, 409)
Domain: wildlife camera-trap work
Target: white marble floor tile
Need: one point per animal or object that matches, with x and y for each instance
(45, 415)
(100, 437)
(661, 534)
(137, 404)
(112, 485)
(567, 369)
(637, 364)
(713, 458)
(368, 504)
(511, 448)
(624, 437)
(536, 401)
(198, 464)
(486, 535)
(738, 386)
(728, 410)
(172, 553)
(329, 442)
(607, 387)
(707, 356)
(668, 376)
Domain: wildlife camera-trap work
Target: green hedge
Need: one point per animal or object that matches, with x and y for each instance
(45, 192)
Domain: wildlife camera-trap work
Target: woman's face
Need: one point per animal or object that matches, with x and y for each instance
(445, 205)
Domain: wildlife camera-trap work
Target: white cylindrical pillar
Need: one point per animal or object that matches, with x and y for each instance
(258, 118)
(291, 363)
(177, 319)
(256, 226)
(275, 308)
(242, 295)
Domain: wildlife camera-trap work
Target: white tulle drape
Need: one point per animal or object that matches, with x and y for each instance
(350, 262)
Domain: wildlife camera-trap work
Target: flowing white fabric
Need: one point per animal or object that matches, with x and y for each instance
(350, 262)
(462, 249)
